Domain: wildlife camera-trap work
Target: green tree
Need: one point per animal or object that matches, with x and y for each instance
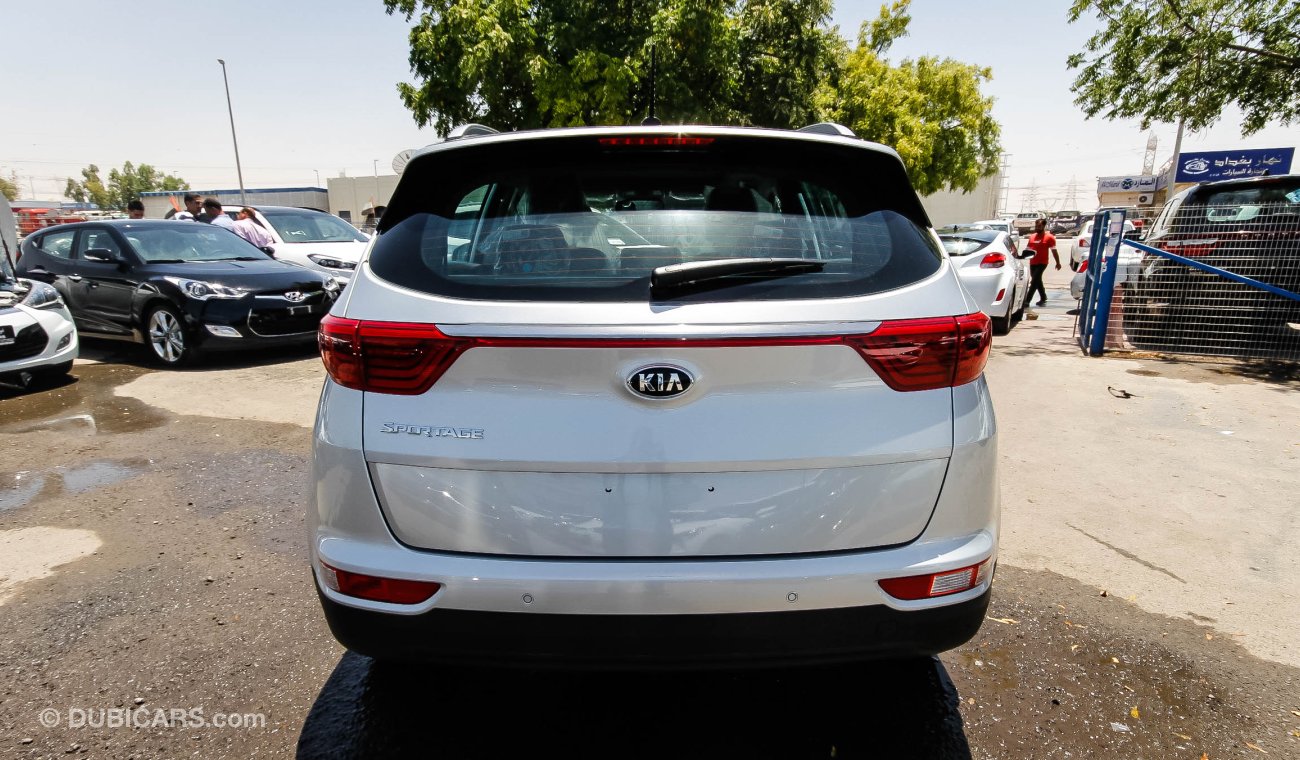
(124, 185)
(1170, 60)
(9, 186)
(519, 64)
(930, 110)
(90, 189)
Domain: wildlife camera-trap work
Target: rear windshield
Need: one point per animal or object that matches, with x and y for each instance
(576, 219)
(965, 244)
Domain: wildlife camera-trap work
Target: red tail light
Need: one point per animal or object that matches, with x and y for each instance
(387, 357)
(376, 589)
(1083, 265)
(993, 261)
(407, 359)
(1191, 248)
(924, 354)
(931, 585)
(1083, 242)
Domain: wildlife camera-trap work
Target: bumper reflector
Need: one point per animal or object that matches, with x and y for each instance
(376, 589)
(928, 586)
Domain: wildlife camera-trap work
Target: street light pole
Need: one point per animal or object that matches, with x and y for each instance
(243, 198)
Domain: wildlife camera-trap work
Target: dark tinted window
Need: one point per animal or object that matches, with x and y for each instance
(57, 243)
(588, 222)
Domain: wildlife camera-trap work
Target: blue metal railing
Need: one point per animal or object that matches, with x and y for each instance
(1103, 266)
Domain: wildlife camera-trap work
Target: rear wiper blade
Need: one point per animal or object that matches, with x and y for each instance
(716, 271)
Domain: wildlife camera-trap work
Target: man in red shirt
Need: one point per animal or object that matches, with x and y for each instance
(1040, 243)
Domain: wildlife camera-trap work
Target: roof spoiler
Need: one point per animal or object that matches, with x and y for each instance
(471, 130)
(828, 128)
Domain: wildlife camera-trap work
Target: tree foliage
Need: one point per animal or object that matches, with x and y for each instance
(930, 110)
(123, 185)
(522, 64)
(525, 64)
(9, 186)
(1165, 60)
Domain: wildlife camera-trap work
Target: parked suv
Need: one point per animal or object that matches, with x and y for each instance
(1250, 227)
(628, 396)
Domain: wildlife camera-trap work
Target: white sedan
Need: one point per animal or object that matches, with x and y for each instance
(1080, 245)
(993, 272)
(311, 239)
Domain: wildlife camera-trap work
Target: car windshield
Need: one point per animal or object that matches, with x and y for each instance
(302, 226)
(189, 241)
(594, 224)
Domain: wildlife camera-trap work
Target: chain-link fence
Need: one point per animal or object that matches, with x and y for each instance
(1222, 292)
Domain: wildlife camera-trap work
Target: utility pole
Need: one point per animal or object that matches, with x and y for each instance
(243, 198)
(1173, 162)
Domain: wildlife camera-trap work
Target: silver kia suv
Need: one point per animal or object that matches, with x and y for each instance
(650, 395)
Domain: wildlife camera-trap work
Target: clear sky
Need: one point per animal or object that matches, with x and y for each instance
(313, 90)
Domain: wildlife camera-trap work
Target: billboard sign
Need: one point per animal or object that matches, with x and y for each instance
(1233, 164)
(1136, 183)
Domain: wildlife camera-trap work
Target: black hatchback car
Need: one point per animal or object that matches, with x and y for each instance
(178, 287)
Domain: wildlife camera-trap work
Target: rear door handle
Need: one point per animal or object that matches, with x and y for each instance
(74, 277)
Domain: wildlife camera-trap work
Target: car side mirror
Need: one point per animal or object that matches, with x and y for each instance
(103, 256)
(268, 250)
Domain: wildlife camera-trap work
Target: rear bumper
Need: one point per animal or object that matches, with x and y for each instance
(469, 637)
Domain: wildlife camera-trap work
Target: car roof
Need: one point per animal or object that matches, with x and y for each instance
(119, 223)
(1248, 181)
(674, 130)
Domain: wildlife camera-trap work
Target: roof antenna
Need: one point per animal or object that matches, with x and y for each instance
(652, 120)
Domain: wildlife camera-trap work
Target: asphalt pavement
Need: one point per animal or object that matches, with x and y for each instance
(154, 584)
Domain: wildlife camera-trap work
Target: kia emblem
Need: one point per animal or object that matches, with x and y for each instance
(660, 381)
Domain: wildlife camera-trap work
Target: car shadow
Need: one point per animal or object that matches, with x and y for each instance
(897, 709)
(118, 352)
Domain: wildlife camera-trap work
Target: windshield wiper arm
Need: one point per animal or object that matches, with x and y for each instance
(715, 272)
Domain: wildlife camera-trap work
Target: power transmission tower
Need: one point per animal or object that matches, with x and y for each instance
(1072, 195)
(1149, 160)
(1030, 201)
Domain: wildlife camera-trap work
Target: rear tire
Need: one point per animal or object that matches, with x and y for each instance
(1002, 325)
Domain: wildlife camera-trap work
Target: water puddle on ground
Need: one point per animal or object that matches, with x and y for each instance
(86, 404)
(22, 488)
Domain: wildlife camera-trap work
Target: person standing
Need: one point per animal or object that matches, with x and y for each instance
(135, 210)
(193, 205)
(246, 227)
(1041, 242)
(214, 215)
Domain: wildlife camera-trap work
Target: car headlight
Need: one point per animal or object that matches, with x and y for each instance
(202, 291)
(329, 262)
(42, 296)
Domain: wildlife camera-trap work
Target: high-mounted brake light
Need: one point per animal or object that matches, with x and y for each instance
(375, 588)
(993, 261)
(407, 359)
(931, 585)
(656, 142)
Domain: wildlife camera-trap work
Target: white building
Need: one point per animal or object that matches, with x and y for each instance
(955, 207)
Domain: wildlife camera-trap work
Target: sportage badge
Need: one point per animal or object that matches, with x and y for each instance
(660, 381)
